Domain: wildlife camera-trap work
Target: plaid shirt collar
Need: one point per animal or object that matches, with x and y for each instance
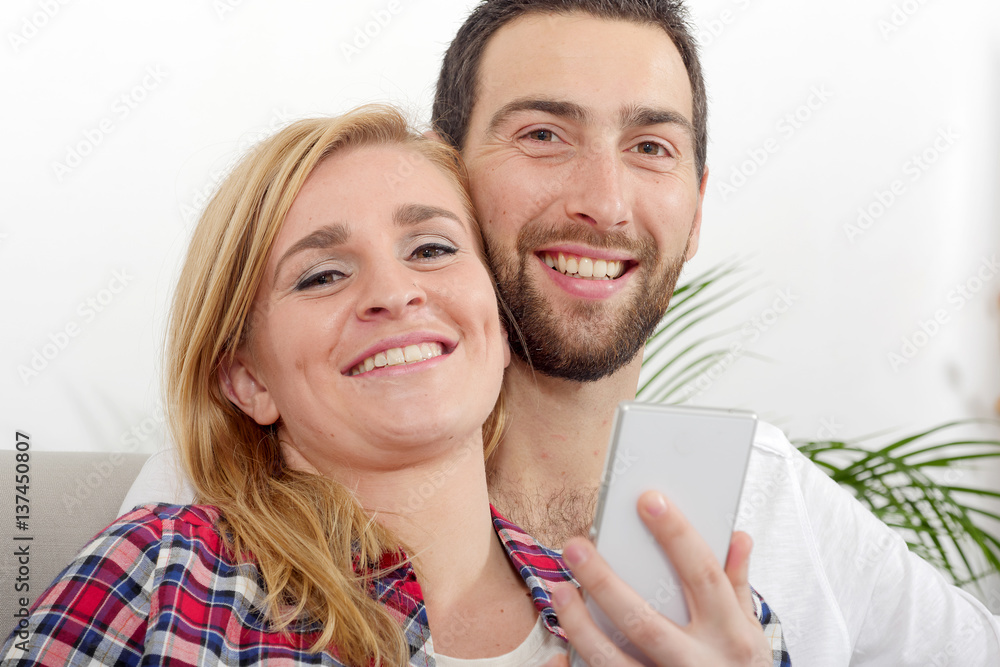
(400, 592)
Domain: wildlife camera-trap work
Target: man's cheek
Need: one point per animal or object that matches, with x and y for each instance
(541, 194)
(524, 190)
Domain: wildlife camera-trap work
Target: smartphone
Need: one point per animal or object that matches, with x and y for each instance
(697, 457)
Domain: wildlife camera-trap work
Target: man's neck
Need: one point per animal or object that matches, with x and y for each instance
(546, 472)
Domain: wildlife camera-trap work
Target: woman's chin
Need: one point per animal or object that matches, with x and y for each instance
(426, 417)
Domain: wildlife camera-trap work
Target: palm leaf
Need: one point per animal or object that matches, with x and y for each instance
(671, 359)
(896, 481)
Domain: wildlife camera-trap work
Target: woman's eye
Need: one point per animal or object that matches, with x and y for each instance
(650, 148)
(433, 251)
(321, 279)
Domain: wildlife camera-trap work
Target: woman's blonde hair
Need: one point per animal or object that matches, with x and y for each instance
(307, 534)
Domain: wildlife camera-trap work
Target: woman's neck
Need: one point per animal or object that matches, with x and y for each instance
(439, 510)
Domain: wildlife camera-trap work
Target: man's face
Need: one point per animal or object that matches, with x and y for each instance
(582, 162)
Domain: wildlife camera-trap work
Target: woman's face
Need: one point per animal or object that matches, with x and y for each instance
(376, 338)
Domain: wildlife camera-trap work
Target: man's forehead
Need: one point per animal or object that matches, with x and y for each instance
(600, 64)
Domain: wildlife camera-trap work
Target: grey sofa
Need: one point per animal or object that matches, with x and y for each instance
(72, 496)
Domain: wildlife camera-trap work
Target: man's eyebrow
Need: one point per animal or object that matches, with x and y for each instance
(640, 116)
(411, 214)
(324, 237)
(555, 107)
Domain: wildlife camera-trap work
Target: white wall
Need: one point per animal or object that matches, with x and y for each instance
(916, 106)
(158, 98)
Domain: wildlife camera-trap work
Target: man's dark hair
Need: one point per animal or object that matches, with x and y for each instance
(457, 84)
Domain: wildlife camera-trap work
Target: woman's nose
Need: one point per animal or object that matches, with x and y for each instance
(390, 291)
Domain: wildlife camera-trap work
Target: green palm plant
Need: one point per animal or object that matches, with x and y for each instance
(671, 362)
(911, 483)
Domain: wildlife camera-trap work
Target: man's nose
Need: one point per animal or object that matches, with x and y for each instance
(598, 193)
(390, 291)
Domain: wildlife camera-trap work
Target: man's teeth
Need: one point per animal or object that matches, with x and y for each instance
(584, 267)
(397, 356)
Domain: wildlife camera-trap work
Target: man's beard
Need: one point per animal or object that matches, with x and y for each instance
(594, 339)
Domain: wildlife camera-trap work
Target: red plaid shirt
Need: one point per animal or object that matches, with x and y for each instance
(159, 587)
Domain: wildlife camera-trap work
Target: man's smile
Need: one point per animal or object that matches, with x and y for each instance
(578, 266)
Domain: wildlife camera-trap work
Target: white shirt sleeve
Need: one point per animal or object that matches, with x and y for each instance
(845, 586)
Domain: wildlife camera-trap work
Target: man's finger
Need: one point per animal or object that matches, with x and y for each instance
(587, 639)
(737, 570)
(636, 618)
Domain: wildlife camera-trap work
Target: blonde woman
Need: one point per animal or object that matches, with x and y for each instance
(334, 351)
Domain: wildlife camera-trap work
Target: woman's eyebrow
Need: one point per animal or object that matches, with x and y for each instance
(411, 214)
(324, 237)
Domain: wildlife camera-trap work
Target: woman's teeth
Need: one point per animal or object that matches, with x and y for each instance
(584, 267)
(397, 356)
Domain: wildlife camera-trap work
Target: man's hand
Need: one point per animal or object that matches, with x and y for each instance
(723, 628)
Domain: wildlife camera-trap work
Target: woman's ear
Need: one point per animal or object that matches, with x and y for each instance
(239, 382)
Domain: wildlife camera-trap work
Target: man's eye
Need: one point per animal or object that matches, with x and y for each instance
(541, 135)
(433, 251)
(321, 279)
(650, 148)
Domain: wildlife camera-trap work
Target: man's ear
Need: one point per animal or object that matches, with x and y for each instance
(238, 381)
(695, 233)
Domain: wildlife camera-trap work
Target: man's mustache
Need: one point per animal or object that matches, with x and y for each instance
(539, 235)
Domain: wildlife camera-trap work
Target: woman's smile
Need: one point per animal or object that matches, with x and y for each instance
(403, 354)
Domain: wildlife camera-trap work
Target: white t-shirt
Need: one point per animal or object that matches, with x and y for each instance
(539, 647)
(846, 588)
